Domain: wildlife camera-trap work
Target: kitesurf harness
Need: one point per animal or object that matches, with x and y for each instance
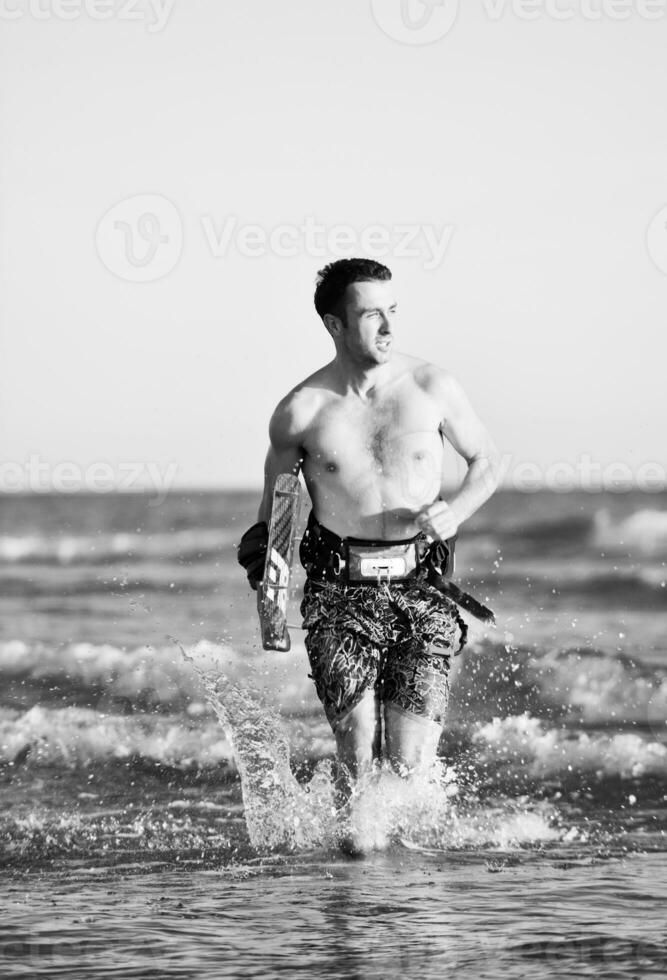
(330, 558)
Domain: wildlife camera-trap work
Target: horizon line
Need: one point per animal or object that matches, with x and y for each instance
(213, 488)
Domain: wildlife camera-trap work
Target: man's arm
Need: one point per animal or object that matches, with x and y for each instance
(285, 454)
(465, 432)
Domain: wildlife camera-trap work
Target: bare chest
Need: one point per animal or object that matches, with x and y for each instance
(378, 436)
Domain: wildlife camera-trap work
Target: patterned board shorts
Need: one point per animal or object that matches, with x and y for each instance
(396, 640)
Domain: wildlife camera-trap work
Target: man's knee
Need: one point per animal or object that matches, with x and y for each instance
(412, 740)
(357, 732)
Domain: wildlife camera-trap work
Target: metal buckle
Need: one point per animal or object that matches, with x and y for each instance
(339, 566)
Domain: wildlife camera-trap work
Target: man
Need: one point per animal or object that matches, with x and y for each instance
(367, 431)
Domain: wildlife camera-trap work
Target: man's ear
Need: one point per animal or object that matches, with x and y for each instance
(333, 324)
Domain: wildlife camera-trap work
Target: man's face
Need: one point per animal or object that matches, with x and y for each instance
(370, 313)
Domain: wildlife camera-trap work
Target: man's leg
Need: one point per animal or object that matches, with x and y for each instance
(345, 674)
(358, 742)
(415, 677)
(411, 740)
(415, 690)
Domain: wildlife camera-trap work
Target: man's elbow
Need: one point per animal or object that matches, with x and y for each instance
(488, 465)
(494, 467)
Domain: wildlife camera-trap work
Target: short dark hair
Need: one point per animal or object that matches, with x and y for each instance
(333, 280)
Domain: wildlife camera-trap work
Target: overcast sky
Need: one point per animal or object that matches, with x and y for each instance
(172, 177)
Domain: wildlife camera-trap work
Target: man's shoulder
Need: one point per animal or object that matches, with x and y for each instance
(308, 395)
(435, 381)
(298, 407)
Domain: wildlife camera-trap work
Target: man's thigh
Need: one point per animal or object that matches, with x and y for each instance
(414, 675)
(345, 671)
(415, 691)
(416, 681)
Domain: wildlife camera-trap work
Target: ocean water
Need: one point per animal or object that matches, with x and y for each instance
(167, 804)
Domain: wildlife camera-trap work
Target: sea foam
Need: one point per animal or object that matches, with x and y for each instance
(526, 744)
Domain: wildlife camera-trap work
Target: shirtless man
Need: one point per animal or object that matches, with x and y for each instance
(367, 431)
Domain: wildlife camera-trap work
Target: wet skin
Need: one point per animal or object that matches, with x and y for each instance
(367, 431)
(372, 465)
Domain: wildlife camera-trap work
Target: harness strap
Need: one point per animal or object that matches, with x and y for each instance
(462, 599)
(323, 555)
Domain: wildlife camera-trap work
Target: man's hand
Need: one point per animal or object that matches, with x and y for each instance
(438, 521)
(252, 552)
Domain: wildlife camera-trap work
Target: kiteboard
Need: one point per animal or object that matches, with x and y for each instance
(272, 595)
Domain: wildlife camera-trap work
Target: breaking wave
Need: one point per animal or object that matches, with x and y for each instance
(568, 711)
(110, 547)
(643, 532)
(526, 743)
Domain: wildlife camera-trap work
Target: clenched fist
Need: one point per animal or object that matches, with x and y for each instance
(438, 521)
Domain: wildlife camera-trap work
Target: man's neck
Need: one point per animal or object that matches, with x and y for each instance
(360, 379)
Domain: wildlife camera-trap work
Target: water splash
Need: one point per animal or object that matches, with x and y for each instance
(422, 810)
(428, 810)
(279, 811)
